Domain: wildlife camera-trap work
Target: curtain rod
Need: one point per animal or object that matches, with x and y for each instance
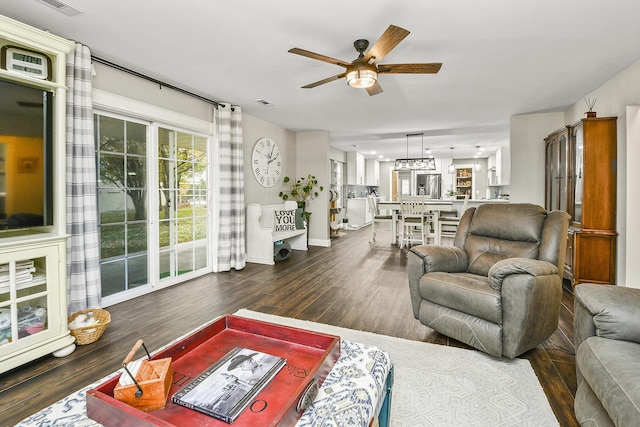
(151, 79)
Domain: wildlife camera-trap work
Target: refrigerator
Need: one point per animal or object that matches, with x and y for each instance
(429, 184)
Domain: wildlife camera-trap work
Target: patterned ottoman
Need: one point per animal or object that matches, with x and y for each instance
(357, 392)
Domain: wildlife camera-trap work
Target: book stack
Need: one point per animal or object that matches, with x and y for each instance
(24, 272)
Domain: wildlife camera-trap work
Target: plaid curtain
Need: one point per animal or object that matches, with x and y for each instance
(231, 218)
(83, 247)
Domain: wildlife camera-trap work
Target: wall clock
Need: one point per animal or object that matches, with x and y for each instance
(266, 162)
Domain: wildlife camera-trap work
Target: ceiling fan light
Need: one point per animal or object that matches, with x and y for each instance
(362, 79)
(361, 75)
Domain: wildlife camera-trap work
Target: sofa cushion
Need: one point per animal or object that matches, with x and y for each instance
(464, 292)
(284, 220)
(612, 370)
(615, 310)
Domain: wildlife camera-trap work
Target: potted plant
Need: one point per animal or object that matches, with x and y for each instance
(302, 190)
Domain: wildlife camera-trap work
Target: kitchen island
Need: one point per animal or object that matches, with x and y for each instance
(438, 206)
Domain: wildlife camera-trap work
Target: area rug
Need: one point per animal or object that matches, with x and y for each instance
(434, 385)
(440, 386)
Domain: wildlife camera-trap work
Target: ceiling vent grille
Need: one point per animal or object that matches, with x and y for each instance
(63, 7)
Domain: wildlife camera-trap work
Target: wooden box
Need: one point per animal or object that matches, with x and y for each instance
(310, 355)
(150, 388)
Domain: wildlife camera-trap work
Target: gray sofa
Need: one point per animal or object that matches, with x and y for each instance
(607, 339)
(499, 287)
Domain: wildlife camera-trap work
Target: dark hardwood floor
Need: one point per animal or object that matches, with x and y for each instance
(351, 284)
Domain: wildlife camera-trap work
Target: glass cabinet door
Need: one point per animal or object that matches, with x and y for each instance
(578, 174)
(557, 172)
(23, 299)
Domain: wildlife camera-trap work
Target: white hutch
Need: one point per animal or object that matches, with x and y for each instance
(33, 296)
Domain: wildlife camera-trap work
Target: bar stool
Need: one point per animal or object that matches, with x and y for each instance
(377, 218)
(450, 222)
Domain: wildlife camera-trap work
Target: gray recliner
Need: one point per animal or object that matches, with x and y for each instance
(499, 287)
(606, 328)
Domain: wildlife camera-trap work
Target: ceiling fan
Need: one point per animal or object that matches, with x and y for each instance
(364, 70)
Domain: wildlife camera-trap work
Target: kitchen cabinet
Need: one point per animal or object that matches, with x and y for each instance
(464, 182)
(372, 174)
(358, 212)
(499, 167)
(581, 162)
(503, 166)
(355, 168)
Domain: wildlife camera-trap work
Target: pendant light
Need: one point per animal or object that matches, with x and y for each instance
(452, 168)
(478, 168)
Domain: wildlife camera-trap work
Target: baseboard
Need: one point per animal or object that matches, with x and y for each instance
(320, 242)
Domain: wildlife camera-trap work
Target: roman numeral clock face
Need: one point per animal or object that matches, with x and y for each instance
(266, 162)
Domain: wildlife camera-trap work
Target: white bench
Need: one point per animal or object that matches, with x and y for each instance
(261, 235)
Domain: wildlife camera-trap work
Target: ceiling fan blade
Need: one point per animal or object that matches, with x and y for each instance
(431, 68)
(375, 89)
(321, 82)
(387, 41)
(319, 57)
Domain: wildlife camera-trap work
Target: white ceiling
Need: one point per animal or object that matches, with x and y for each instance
(500, 58)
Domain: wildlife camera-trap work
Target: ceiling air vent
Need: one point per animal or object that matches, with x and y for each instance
(63, 7)
(264, 102)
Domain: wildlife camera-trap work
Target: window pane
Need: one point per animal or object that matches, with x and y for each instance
(136, 138)
(200, 228)
(137, 271)
(165, 260)
(112, 238)
(136, 238)
(136, 172)
(185, 230)
(111, 170)
(112, 205)
(113, 277)
(111, 136)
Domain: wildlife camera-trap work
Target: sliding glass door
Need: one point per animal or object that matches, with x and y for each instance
(122, 201)
(182, 194)
(152, 198)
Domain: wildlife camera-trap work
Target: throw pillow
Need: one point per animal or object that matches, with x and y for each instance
(285, 220)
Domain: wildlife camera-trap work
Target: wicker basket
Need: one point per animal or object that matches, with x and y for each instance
(88, 334)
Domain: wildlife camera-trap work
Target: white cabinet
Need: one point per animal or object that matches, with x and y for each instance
(358, 212)
(372, 172)
(33, 285)
(355, 168)
(499, 167)
(503, 166)
(33, 304)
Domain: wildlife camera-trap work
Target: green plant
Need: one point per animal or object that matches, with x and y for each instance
(302, 190)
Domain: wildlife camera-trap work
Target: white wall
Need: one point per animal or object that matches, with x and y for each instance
(527, 135)
(120, 83)
(632, 234)
(312, 156)
(252, 130)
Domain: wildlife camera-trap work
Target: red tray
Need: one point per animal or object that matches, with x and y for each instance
(309, 355)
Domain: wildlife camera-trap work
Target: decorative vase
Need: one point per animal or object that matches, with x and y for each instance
(590, 114)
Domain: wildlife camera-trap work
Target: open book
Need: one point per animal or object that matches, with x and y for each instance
(226, 388)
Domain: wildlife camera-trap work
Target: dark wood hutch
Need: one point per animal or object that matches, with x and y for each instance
(580, 178)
